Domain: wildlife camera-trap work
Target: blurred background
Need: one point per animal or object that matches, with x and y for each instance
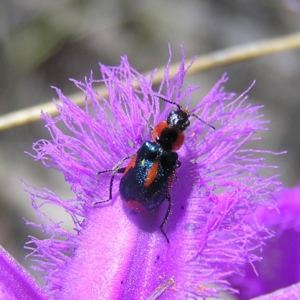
(43, 43)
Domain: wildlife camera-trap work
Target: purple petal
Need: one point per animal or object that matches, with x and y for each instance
(286, 216)
(15, 282)
(280, 265)
(289, 293)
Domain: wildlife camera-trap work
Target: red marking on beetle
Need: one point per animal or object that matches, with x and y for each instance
(158, 129)
(131, 164)
(135, 206)
(152, 173)
(179, 142)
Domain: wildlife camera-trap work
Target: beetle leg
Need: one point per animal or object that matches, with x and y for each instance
(168, 198)
(116, 169)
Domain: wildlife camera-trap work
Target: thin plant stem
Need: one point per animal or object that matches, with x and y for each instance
(209, 61)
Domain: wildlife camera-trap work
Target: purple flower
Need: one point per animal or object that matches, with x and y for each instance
(15, 282)
(113, 254)
(280, 266)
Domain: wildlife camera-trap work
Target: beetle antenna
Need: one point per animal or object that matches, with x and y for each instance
(204, 122)
(169, 101)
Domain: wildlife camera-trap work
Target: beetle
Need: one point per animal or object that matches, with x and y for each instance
(147, 179)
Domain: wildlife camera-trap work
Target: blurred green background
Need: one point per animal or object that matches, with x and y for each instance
(43, 43)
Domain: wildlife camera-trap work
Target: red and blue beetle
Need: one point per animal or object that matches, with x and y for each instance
(147, 179)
